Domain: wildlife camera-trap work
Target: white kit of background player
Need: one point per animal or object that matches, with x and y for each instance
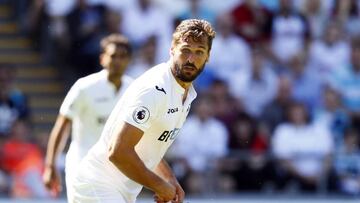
(86, 108)
(88, 104)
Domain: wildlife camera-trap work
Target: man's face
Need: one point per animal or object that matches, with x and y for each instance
(189, 58)
(115, 59)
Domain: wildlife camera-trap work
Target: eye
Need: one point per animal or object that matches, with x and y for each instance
(199, 52)
(185, 51)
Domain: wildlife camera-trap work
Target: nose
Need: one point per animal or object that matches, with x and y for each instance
(191, 58)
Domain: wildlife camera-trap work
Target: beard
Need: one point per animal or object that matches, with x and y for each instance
(183, 76)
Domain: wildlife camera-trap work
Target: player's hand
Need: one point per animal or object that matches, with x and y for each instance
(165, 193)
(180, 193)
(52, 181)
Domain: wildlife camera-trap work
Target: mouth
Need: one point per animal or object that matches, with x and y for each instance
(189, 68)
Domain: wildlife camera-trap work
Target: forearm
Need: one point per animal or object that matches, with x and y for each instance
(130, 164)
(164, 170)
(57, 140)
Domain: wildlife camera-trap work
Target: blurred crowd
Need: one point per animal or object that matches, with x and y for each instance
(279, 101)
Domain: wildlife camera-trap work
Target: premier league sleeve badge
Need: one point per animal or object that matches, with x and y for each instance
(141, 115)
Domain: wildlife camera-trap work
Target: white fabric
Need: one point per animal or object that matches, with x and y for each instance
(139, 25)
(326, 59)
(304, 146)
(88, 104)
(288, 36)
(229, 55)
(59, 7)
(153, 103)
(254, 94)
(104, 194)
(195, 140)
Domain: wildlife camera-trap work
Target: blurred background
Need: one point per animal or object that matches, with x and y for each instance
(278, 111)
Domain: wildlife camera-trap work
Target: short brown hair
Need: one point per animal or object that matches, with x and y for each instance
(194, 28)
(117, 39)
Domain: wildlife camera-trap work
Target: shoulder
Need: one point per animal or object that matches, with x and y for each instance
(154, 81)
(90, 80)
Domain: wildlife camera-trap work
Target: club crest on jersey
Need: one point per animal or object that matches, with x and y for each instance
(141, 115)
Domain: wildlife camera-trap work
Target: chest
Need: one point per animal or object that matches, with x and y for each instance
(172, 117)
(101, 101)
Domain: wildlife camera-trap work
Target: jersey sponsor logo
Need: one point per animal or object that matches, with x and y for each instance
(173, 110)
(169, 135)
(141, 115)
(160, 89)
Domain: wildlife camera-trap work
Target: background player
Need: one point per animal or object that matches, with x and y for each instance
(86, 108)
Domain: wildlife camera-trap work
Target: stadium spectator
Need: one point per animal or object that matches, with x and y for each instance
(226, 105)
(252, 21)
(23, 161)
(347, 82)
(299, 157)
(347, 163)
(141, 21)
(331, 114)
(329, 53)
(316, 14)
(13, 104)
(347, 13)
(230, 52)
(145, 58)
(87, 26)
(198, 9)
(306, 85)
(257, 87)
(247, 161)
(274, 113)
(197, 158)
(290, 33)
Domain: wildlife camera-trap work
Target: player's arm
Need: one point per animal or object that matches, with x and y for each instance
(164, 170)
(123, 155)
(56, 143)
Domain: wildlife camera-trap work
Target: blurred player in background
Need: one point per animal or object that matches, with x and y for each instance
(144, 123)
(86, 108)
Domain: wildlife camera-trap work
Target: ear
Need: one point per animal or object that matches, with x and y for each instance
(101, 56)
(171, 51)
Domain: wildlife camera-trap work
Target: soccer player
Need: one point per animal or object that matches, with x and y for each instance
(86, 108)
(144, 123)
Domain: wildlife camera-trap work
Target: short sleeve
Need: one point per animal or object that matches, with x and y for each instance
(73, 101)
(140, 109)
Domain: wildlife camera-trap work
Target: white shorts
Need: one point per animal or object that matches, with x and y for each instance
(93, 193)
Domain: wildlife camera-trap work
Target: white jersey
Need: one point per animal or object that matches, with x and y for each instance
(152, 103)
(88, 104)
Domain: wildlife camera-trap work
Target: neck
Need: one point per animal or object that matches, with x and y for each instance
(116, 80)
(185, 85)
